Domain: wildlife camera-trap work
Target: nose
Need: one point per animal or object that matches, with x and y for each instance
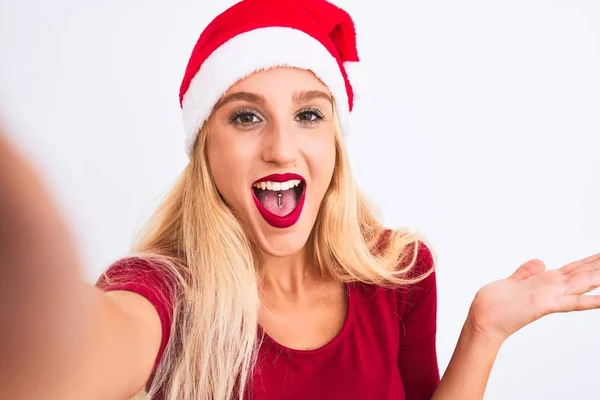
(280, 146)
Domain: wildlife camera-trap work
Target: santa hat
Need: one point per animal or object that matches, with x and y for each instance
(255, 35)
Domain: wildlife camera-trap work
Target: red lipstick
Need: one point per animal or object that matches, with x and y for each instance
(291, 218)
(280, 178)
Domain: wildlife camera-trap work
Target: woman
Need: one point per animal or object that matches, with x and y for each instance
(264, 274)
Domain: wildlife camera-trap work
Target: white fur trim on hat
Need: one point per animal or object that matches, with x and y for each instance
(358, 76)
(253, 51)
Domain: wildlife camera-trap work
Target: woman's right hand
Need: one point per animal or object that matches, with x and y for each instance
(32, 232)
(39, 274)
(60, 338)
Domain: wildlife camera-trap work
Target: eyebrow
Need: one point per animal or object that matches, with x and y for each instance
(240, 96)
(308, 95)
(298, 97)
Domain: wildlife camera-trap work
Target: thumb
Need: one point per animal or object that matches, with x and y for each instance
(530, 268)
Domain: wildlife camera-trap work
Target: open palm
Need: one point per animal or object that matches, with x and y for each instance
(503, 307)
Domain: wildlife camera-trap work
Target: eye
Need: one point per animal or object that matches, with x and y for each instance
(310, 116)
(307, 116)
(244, 118)
(247, 119)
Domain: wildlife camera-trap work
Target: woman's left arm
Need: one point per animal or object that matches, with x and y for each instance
(468, 372)
(505, 306)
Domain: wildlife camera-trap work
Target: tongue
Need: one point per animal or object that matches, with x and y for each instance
(270, 200)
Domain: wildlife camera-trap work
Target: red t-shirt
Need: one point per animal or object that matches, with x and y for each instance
(386, 349)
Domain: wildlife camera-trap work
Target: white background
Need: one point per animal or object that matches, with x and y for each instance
(481, 129)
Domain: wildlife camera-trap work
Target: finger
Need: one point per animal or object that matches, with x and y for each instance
(585, 268)
(571, 266)
(577, 303)
(583, 283)
(530, 268)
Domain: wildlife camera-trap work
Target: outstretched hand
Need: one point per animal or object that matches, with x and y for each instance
(40, 285)
(503, 307)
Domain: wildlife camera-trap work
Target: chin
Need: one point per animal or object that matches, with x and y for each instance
(281, 215)
(282, 242)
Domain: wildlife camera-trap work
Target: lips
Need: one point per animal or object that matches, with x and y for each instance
(279, 198)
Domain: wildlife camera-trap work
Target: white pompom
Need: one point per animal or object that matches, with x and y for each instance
(358, 77)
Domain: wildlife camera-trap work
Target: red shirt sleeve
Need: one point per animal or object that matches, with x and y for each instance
(417, 308)
(149, 280)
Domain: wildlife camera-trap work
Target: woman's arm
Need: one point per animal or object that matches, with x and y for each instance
(503, 307)
(467, 374)
(60, 337)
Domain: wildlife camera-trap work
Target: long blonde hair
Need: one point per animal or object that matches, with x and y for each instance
(214, 336)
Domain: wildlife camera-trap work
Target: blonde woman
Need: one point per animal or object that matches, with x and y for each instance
(264, 274)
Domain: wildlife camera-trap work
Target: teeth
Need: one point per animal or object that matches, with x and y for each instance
(277, 186)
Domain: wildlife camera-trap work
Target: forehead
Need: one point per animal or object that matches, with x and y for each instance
(279, 81)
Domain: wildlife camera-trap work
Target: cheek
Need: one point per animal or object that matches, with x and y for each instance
(322, 163)
(229, 165)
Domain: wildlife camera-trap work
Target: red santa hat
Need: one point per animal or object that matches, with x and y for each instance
(256, 35)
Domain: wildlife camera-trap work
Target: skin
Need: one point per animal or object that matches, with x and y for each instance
(275, 121)
(281, 121)
(115, 337)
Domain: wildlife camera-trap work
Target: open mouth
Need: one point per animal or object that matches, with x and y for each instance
(279, 198)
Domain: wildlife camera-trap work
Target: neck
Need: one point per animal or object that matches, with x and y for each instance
(290, 274)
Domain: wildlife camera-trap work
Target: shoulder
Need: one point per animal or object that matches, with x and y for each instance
(135, 267)
(414, 256)
(152, 280)
(126, 266)
(422, 292)
(413, 301)
(148, 277)
(424, 261)
(417, 264)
